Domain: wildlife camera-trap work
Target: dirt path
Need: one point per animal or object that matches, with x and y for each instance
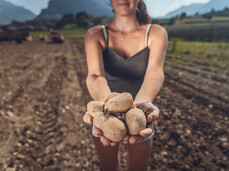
(43, 98)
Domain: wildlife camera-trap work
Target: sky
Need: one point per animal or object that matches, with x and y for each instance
(33, 5)
(156, 8)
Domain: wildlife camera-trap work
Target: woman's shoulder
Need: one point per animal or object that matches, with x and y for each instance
(157, 30)
(94, 33)
(157, 33)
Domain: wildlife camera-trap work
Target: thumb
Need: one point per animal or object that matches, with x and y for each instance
(87, 118)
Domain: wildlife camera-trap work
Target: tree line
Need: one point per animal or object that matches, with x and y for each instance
(208, 32)
(200, 33)
(81, 19)
(171, 21)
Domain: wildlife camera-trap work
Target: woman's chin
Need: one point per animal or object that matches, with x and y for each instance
(125, 13)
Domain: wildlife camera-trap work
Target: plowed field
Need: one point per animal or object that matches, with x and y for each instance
(43, 97)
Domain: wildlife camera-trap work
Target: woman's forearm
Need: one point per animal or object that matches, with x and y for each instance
(98, 87)
(150, 86)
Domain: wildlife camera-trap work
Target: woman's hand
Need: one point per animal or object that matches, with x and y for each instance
(152, 115)
(87, 118)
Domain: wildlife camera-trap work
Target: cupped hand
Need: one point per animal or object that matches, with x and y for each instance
(152, 115)
(87, 118)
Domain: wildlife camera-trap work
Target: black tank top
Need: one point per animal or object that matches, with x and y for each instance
(125, 75)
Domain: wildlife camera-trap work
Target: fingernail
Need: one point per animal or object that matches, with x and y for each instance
(150, 118)
(88, 120)
(154, 112)
(132, 142)
(97, 133)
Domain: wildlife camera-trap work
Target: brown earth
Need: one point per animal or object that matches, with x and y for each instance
(43, 99)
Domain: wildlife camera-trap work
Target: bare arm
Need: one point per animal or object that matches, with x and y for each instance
(154, 76)
(96, 82)
(153, 80)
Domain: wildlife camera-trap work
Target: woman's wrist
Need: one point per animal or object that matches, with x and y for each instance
(146, 99)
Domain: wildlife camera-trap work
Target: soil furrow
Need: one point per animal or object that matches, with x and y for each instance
(197, 95)
(42, 106)
(43, 149)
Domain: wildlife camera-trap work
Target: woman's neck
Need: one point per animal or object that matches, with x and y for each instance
(125, 24)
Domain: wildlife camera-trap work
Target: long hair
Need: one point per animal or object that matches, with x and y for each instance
(141, 13)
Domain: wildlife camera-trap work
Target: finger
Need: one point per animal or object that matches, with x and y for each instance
(135, 139)
(126, 139)
(105, 141)
(155, 117)
(146, 106)
(113, 144)
(156, 111)
(96, 132)
(140, 104)
(152, 116)
(87, 118)
(146, 132)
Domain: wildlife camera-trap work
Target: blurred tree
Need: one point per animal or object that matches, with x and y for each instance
(172, 21)
(196, 14)
(5, 28)
(224, 13)
(208, 16)
(15, 22)
(83, 19)
(66, 19)
(97, 20)
(155, 21)
(183, 15)
(212, 11)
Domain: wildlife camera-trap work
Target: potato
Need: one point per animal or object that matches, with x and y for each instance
(120, 103)
(112, 127)
(95, 106)
(135, 121)
(117, 116)
(113, 94)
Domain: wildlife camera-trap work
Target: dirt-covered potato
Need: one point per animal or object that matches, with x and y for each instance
(113, 128)
(120, 103)
(95, 106)
(117, 115)
(113, 94)
(135, 121)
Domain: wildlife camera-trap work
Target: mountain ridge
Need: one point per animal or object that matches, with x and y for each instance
(9, 12)
(201, 8)
(57, 8)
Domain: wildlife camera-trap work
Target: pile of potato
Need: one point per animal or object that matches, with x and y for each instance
(117, 116)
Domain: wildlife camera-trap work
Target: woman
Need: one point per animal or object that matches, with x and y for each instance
(126, 55)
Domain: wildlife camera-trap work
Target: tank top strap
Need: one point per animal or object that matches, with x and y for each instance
(105, 33)
(147, 34)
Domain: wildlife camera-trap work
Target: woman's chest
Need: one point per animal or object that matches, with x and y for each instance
(126, 46)
(133, 67)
